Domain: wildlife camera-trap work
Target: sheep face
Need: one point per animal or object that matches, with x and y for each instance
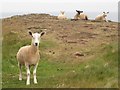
(62, 12)
(36, 37)
(105, 14)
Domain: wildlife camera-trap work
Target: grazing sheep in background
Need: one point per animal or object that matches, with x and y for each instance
(62, 15)
(80, 15)
(29, 55)
(102, 17)
(77, 15)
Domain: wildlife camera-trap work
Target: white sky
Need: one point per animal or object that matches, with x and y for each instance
(58, 5)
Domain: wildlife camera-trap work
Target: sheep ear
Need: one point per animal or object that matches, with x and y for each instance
(30, 33)
(81, 11)
(42, 33)
(104, 12)
(77, 11)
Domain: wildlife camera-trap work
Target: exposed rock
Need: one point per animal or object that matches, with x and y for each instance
(78, 54)
(71, 41)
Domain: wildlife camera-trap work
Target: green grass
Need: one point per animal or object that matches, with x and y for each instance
(51, 73)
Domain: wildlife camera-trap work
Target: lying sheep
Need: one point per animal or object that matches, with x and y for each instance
(62, 15)
(29, 55)
(80, 15)
(102, 17)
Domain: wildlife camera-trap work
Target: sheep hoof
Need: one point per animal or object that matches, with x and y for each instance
(35, 82)
(20, 79)
(27, 83)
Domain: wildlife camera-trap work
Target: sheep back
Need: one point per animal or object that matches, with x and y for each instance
(99, 18)
(62, 16)
(83, 16)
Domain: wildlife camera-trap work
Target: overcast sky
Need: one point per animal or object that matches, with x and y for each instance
(34, 6)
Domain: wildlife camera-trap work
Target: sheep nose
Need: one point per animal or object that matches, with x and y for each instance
(36, 44)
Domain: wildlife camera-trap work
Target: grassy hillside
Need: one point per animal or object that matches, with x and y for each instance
(96, 66)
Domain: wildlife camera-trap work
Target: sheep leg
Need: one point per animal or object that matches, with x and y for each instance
(20, 71)
(34, 73)
(28, 75)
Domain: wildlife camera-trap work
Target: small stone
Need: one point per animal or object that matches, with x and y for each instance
(106, 64)
(87, 66)
(79, 54)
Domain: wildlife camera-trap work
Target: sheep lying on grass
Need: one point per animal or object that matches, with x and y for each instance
(102, 17)
(80, 15)
(29, 55)
(62, 15)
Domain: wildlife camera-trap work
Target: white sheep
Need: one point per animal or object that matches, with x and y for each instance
(62, 15)
(29, 55)
(80, 15)
(102, 17)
